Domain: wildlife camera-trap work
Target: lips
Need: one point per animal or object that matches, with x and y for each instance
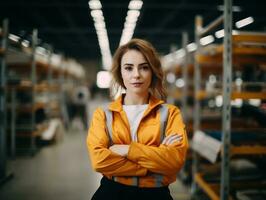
(137, 84)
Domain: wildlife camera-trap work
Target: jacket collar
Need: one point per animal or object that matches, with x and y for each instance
(117, 105)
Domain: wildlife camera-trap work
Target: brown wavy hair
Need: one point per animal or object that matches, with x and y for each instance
(157, 84)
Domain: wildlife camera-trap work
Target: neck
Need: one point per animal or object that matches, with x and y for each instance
(135, 99)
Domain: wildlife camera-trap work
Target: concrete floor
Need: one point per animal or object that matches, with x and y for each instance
(60, 171)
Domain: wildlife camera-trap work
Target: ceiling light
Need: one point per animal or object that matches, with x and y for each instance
(219, 34)
(133, 13)
(56, 59)
(95, 4)
(97, 14)
(41, 50)
(244, 22)
(180, 83)
(135, 5)
(191, 47)
(13, 37)
(206, 40)
(219, 101)
(25, 43)
(130, 21)
(100, 26)
(170, 77)
(103, 79)
(179, 53)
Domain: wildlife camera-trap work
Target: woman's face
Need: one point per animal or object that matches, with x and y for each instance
(136, 72)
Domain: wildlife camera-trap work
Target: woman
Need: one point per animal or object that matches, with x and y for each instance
(136, 159)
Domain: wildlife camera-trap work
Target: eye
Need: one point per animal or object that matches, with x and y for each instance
(128, 68)
(145, 67)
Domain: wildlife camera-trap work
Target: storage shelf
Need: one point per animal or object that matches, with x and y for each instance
(248, 150)
(238, 61)
(243, 55)
(35, 133)
(203, 94)
(243, 50)
(26, 66)
(248, 95)
(251, 37)
(30, 108)
(43, 87)
(212, 190)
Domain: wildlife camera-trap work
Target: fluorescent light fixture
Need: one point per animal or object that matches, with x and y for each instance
(180, 83)
(219, 34)
(170, 77)
(13, 37)
(25, 43)
(133, 13)
(135, 5)
(100, 27)
(130, 21)
(129, 26)
(219, 101)
(103, 79)
(206, 40)
(56, 59)
(192, 47)
(97, 14)
(41, 50)
(95, 4)
(244, 22)
(179, 53)
(168, 58)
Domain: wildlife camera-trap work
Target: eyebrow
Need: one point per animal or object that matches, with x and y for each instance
(139, 64)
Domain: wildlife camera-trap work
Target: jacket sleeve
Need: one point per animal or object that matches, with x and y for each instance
(104, 160)
(166, 160)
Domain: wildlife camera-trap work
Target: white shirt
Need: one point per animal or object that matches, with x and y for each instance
(134, 114)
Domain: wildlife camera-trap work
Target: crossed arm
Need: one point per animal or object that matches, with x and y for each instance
(122, 149)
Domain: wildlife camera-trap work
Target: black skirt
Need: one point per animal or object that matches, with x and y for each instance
(111, 190)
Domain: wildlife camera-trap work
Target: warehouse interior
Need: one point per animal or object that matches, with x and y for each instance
(55, 57)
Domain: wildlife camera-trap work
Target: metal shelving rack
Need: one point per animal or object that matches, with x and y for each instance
(29, 64)
(226, 112)
(185, 77)
(4, 176)
(34, 82)
(231, 53)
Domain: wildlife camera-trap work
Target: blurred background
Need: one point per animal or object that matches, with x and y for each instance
(55, 56)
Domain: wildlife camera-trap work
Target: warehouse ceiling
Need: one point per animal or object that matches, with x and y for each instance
(68, 26)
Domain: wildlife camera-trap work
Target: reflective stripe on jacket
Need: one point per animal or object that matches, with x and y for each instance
(148, 163)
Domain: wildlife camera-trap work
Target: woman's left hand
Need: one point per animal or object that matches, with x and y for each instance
(120, 149)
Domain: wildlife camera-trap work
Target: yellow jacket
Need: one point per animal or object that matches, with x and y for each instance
(148, 163)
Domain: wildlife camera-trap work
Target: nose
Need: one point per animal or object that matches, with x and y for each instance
(136, 73)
